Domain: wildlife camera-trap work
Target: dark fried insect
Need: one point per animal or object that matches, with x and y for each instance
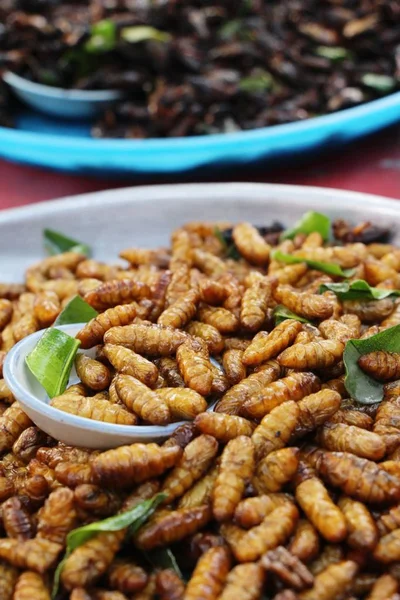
(381, 365)
(288, 568)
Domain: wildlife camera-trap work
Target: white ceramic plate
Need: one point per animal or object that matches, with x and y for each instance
(145, 216)
(112, 220)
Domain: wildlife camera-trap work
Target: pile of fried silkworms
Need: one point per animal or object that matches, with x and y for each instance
(288, 490)
(186, 67)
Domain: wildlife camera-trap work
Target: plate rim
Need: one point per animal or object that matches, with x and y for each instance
(215, 141)
(297, 194)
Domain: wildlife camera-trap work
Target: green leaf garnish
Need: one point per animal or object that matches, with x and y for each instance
(51, 360)
(257, 83)
(76, 311)
(325, 267)
(143, 33)
(163, 558)
(309, 223)
(335, 53)
(134, 519)
(103, 37)
(57, 243)
(361, 386)
(381, 83)
(230, 250)
(357, 290)
(281, 313)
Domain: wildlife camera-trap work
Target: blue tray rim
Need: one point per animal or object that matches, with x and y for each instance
(220, 140)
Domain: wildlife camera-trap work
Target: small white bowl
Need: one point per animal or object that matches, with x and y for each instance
(75, 431)
(60, 102)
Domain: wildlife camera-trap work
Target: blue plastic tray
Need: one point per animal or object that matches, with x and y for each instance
(64, 146)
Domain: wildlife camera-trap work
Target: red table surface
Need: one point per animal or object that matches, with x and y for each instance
(369, 165)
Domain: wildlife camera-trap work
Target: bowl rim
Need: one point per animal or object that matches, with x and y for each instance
(26, 397)
(46, 91)
(217, 141)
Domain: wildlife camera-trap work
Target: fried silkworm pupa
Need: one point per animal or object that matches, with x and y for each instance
(38, 554)
(251, 244)
(292, 387)
(234, 398)
(310, 306)
(359, 478)
(182, 435)
(209, 575)
(305, 542)
(112, 293)
(195, 366)
(213, 292)
(388, 547)
(194, 463)
(92, 373)
(31, 586)
(385, 586)
(273, 531)
(127, 577)
(172, 527)
(276, 469)
(168, 368)
(275, 429)
(96, 500)
(179, 313)
(313, 498)
(314, 355)
(223, 427)
(12, 423)
(209, 334)
(183, 403)
(141, 400)
(93, 332)
(371, 311)
(16, 520)
(8, 579)
(29, 442)
(244, 582)
(169, 585)
(95, 409)
(6, 311)
(362, 530)
(252, 511)
(89, 561)
(5, 393)
(381, 365)
(234, 368)
(389, 521)
(58, 516)
(46, 308)
(347, 438)
(332, 582)
(127, 362)
(201, 492)
(236, 469)
(27, 325)
(288, 568)
(352, 417)
(255, 301)
(219, 317)
(268, 345)
(315, 409)
(73, 474)
(149, 339)
(126, 465)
